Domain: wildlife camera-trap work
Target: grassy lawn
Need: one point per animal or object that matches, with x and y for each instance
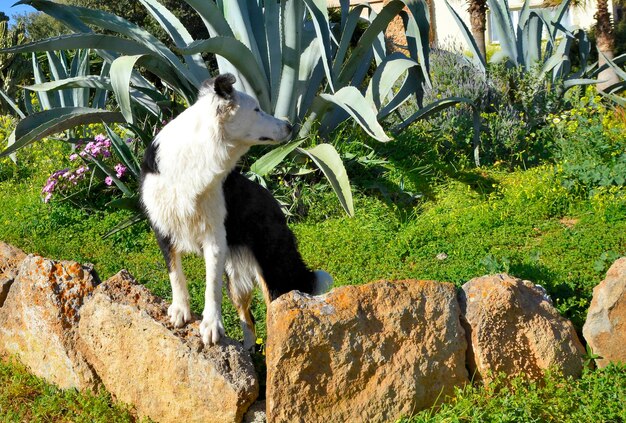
(408, 211)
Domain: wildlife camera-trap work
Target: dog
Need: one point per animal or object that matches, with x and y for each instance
(196, 203)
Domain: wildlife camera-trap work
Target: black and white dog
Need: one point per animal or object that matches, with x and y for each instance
(196, 202)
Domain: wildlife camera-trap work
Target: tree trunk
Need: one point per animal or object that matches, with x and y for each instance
(605, 43)
(478, 21)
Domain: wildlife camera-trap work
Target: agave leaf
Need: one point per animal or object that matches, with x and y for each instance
(311, 74)
(134, 219)
(212, 17)
(417, 30)
(328, 160)
(123, 152)
(292, 12)
(237, 14)
(410, 86)
(352, 101)
(616, 68)
(111, 22)
(266, 163)
(81, 41)
(477, 59)
(241, 57)
(274, 52)
(46, 101)
(179, 34)
(39, 125)
(89, 81)
(80, 68)
(58, 70)
(366, 41)
(217, 26)
(111, 174)
(578, 81)
(126, 203)
(319, 14)
(347, 32)
(386, 75)
(432, 108)
(121, 70)
(12, 103)
(101, 94)
(503, 26)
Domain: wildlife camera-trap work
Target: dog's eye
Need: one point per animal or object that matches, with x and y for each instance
(257, 110)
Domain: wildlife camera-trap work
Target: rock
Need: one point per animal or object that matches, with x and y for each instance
(605, 327)
(39, 320)
(256, 413)
(10, 260)
(512, 327)
(166, 373)
(365, 353)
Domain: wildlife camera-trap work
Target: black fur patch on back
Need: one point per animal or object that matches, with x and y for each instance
(255, 220)
(149, 163)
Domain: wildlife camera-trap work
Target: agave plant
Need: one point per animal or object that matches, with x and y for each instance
(287, 54)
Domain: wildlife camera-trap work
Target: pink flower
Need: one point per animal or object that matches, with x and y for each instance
(47, 197)
(120, 170)
(73, 156)
(108, 180)
(99, 138)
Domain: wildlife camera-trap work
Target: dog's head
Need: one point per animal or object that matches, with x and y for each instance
(241, 117)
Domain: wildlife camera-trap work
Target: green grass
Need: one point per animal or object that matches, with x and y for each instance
(407, 212)
(26, 398)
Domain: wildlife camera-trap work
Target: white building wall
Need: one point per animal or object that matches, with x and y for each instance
(449, 34)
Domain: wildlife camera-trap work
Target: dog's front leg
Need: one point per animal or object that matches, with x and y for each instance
(214, 250)
(179, 311)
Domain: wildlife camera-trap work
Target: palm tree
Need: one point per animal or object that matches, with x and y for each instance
(605, 43)
(478, 22)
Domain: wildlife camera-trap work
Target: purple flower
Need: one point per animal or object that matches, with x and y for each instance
(73, 156)
(108, 180)
(120, 170)
(81, 170)
(47, 197)
(99, 138)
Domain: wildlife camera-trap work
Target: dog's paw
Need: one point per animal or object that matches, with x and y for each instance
(179, 314)
(211, 330)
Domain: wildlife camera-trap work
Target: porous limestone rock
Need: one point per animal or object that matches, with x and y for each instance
(10, 260)
(605, 327)
(369, 353)
(512, 327)
(166, 373)
(38, 321)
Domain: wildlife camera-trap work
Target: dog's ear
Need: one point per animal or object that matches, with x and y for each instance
(222, 85)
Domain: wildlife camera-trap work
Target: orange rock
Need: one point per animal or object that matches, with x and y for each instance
(166, 373)
(605, 327)
(10, 260)
(514, 329)
(39, 318)
(374, 352)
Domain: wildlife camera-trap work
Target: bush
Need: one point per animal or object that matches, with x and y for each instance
(590, 144)
(513, 104)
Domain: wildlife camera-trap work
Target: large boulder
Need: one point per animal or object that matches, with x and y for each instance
(166, 373)
(370, 353)
(513, 328)
(39, 320)
(605, 327)
(10, 260)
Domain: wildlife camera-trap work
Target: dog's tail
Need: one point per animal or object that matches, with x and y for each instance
(323, 282)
